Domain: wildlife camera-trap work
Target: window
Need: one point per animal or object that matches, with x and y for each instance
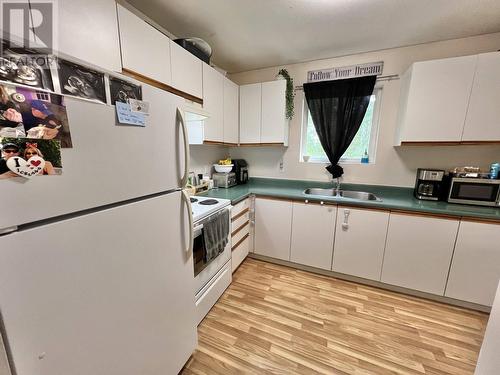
(365, 139)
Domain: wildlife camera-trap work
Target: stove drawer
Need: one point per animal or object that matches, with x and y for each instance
(207, 297)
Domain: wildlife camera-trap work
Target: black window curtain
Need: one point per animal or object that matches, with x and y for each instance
(337, 110)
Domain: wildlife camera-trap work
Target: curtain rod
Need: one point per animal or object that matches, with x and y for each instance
(389, 77)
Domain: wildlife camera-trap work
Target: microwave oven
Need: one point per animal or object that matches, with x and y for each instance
(477, 191)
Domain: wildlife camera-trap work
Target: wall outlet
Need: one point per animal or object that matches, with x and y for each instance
(281, 166)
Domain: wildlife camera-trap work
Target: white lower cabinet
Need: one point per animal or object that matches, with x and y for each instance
(273, 224)
(239, 252)
(418, 252)
(241, 232)
(359, 242)
(313, 231)
(475, 270)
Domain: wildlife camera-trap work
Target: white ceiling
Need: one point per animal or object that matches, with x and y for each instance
(251, 34)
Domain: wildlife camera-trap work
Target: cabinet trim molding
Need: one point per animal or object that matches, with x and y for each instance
(240, 241)
(448, 143)
(241, 227)
(479, 220)
(392, 211)
(262, 144)
(208, 142)
(426, 214)
(160, 85)
(240, 214)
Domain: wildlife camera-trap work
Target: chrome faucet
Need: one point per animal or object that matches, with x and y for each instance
(337, 186)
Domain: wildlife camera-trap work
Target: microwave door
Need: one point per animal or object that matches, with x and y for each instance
(467, 191)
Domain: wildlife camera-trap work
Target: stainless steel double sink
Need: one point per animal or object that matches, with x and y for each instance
(350, 194)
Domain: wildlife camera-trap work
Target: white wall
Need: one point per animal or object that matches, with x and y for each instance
(203, 156)
(393, 166)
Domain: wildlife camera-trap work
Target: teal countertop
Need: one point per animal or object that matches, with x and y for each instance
(393, 198)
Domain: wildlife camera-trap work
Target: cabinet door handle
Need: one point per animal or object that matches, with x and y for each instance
(345, 224)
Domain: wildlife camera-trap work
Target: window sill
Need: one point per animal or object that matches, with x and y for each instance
(342, 161)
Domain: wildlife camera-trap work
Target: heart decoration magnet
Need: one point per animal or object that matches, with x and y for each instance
(26, 168)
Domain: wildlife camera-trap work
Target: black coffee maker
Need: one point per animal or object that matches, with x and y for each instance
(430, 184)
(240, 168)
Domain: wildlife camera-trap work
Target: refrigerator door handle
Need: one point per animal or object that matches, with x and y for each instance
(185, 137)
(186, 199)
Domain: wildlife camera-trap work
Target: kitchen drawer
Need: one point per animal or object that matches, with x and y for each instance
(240, 206)
(240, 234)
(240, 252)
(240, 220)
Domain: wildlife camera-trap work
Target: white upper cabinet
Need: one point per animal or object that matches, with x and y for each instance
(262, 113)
(418, 252)
(231, 113)
(250, 113)
(145, 50)
(213, 103)
(359, 242)
(273, 223)
(434, 99)
(483, 116)
(274, 124)
(475, 270)
(186, 71)
(313, 232)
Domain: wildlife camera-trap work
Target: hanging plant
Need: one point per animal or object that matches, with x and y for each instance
(290, 93)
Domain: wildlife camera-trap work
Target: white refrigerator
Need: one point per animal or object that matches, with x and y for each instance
(96, 268)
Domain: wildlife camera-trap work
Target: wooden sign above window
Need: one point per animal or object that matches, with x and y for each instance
(352, 71)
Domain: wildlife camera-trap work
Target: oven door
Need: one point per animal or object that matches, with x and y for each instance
(474, 191)
(203, 270)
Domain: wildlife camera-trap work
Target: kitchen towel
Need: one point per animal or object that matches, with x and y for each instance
(216, 234)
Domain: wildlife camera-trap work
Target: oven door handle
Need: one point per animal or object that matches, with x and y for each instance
(185, 198)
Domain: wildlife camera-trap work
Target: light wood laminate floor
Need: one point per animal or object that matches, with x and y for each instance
(275, 319)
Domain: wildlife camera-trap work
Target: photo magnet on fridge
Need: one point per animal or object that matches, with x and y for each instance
(26, 67)
(26, 112)
(127, 117)
(25, 157)
(139, 106)
(122, 91)
(81, 82)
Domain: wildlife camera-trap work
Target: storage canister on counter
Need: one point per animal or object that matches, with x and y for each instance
(494, 170)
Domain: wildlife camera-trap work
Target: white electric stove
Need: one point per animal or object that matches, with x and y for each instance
(212, 276)
(205, 206)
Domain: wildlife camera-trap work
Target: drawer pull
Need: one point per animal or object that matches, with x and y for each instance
(240, 214)
(240, 227)
(345, 224)
(240, 241)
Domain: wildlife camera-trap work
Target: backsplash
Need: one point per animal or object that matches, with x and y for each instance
(202, 157)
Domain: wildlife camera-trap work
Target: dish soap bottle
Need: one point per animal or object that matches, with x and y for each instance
(365, 159)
